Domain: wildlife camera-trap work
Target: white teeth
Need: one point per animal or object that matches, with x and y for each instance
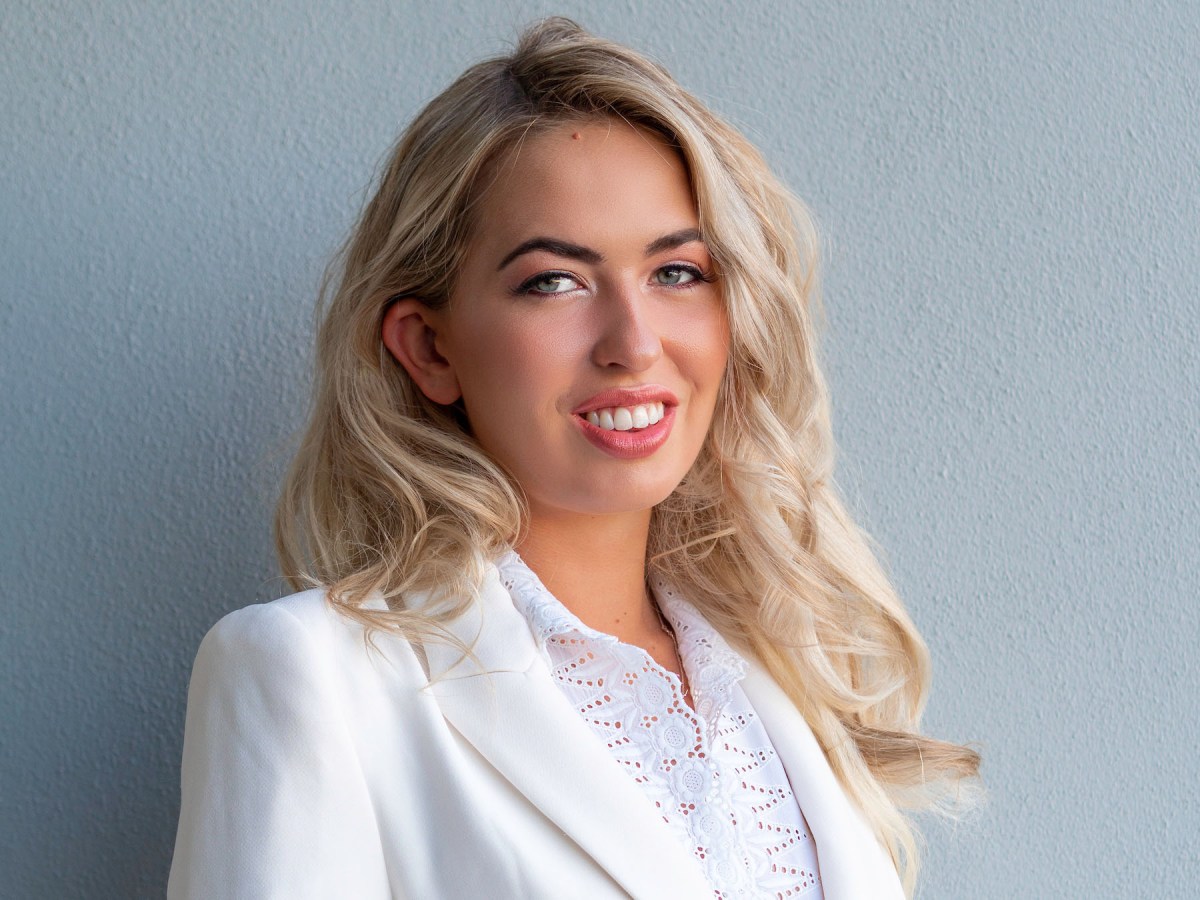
(625, 418)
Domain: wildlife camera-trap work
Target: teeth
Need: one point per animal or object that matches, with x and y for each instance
(626, 418)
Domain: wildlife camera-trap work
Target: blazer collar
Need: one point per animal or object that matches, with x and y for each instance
(852, 861)
(507, 705)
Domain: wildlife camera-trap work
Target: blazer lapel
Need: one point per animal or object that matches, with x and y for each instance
(853, 864)
(509, 708)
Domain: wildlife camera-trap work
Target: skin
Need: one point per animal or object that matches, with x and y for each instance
(525, 343)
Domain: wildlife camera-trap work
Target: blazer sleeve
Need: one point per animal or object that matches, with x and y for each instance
(274, 803)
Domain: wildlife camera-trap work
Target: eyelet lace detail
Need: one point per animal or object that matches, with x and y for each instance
(713, 667)
(712, 772)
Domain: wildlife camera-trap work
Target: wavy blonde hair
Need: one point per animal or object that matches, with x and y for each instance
(389, 493)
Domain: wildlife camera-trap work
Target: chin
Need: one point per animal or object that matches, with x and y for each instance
(618, 502)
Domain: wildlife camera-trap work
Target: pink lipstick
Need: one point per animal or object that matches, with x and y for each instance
(618, 404)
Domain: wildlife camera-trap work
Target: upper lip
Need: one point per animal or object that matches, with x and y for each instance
(650, 393)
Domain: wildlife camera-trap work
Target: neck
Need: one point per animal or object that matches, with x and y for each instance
(596, 567)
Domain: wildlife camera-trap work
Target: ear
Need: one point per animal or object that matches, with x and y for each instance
(409, 332)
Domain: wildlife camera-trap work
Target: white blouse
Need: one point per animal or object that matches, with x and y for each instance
(712, 772)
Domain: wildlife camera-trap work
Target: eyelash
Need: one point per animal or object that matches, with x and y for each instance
(699, 276)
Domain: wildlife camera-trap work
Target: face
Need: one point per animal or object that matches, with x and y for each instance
(586, 334)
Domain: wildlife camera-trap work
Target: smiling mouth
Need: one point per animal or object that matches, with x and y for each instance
(626, 418)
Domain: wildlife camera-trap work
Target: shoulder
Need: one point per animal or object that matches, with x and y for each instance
(263, 625)
(282, 711)
(300, 633)
(296, 624)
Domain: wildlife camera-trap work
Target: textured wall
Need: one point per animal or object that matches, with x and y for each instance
(1009, 192)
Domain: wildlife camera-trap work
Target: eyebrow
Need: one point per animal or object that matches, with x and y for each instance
(588, 255)
(673, 240)
(555, 246)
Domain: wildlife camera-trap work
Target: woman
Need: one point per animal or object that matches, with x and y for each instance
(585, 615)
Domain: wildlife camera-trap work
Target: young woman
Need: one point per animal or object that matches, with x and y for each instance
(585, 617)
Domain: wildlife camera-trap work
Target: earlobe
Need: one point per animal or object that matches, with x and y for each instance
(409, 333)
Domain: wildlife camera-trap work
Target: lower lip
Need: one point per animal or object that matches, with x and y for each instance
(629, 444)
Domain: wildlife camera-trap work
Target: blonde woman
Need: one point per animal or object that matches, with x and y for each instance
(584, 614)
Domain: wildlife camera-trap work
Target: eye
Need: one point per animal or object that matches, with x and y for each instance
(676, 275)
(549, 283)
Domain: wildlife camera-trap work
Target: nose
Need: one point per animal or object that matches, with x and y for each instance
(626, 336)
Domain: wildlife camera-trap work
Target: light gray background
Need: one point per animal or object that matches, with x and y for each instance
(1009, 193)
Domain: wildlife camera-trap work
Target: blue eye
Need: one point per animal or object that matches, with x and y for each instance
(549, 283)
(677, 275)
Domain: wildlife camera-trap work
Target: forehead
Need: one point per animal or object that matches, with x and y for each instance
(594, 180)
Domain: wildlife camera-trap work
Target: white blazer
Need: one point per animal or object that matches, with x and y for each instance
(317, 766)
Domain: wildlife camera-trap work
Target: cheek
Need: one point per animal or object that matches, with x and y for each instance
(704, 350)
(718, 346)
(513, 376)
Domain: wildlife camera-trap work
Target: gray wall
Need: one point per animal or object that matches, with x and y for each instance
(1009, 192)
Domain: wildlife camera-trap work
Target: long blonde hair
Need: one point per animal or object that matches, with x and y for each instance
(389, 493)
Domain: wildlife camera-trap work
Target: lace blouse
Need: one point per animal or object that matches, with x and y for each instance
(712, 772)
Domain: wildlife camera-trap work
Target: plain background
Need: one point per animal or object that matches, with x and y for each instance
(1009, 195)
